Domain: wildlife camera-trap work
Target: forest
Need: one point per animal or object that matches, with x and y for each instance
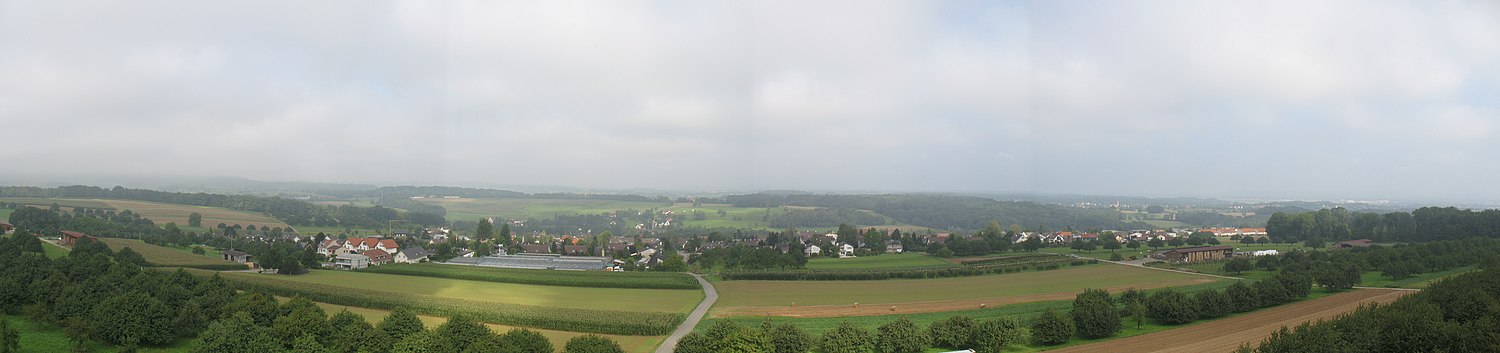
(1422, 224)
(293, 212)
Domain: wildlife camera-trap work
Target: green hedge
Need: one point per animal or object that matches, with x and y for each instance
(598, 279)
(562, 319)
(868, 275)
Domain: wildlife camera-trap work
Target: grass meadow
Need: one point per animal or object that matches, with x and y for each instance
(883, 261)
(170, 257)
(161, 213)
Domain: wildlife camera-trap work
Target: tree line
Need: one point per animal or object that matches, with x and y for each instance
(949, 212)
(293, 212)
(96, 294)
(1422, 224)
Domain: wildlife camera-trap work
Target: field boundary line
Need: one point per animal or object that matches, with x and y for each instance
(1160, 269)
(710, 295)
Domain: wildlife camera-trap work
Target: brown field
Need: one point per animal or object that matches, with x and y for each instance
(212, 216)
(1225, 335)
(811, 311)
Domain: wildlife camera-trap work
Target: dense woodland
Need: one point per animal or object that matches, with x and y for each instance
(951, 212)
(1423, 224)
(293, 212)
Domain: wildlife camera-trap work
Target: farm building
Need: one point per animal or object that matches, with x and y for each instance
(412, 255)
(377, 256)
(575, 250)
(1202, 253)
(70, 237)
(237, 256)
(544, 262)
(351, 262)
(535, 249)
(1349, 244)
(6, 227)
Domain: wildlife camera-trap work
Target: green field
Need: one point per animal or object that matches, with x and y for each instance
(46, 202)
(632, 344)
(161, 213)
(884, 261)
(5, 214)
(41, 338)
(53, 250)
(474, 209)
(1068, 279)
(170, 257)
(618, 299)
(598, 279)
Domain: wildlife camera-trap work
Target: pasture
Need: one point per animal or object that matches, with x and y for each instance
(634, 300)
(474, 209)
(170, 257)
(161, 213)
(53, 250)
(599, 279)
(883, 261)
(631, 344)
(961, 291)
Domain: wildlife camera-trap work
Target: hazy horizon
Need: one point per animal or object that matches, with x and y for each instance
(1275, 99)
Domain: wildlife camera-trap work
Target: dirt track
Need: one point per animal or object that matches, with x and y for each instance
(813, 311)
(1225, 335)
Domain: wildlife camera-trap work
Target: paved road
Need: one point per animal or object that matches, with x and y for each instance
(709, 296)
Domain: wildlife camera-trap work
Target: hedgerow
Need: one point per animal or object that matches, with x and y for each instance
(866, 275)
(563, 319)
(598, 279)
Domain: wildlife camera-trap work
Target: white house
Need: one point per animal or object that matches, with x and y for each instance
(894, 246)
(846, 250)
(351, 262)
(812, 250)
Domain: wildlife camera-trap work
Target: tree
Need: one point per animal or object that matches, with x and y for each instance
(1115, 256)
(592, 343)
(1094, 314)
(1171, 307)
(195, 220)
(993, 336)
(695, 343)
(301, 317)
(1212, 304)
(1248, 240)
(10, 338)
(1051, 328)
(1155, 243)
(1137, 311)
(1314, 243)
(351, 332)
(674, 263)
(1133, 244)
(1033, 243)
(237, 333)
(846, 338)
(901, 336)
(484, 230)
(1238, 265)
(1241, 297)
(133, 318)
(307, 344)
(1270, 292)
(400, 323)
(1176, 242)
(1111, 244)
(520, 340)
(78, 330)
(788, 338)
(505, 235)
(953, 332)
(461, 331)
(421, 342)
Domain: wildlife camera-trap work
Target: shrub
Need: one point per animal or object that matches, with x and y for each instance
(1212, 304)
(953, 332)
(788, 338)
(1094, 314)
(1171, 307)
(1241, 297)
(592, 344)
(846, 338)
(900, 336)
(993, 336)
(1052, 328)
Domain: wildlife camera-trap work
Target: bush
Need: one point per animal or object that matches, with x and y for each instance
(953, 332)
(1094, 314)
(592, 344)
(900, 336)
(788, 338)
(1052, 328)
(994, 335)
(1241, 297)
(1270, 292)
(846, 338)
(1171, 307)
(1212, 304)
(1238, 265)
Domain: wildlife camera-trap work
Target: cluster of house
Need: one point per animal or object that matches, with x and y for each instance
(815, 244)
(357, 253)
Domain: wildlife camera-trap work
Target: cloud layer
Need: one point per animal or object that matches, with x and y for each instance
(1269, 98)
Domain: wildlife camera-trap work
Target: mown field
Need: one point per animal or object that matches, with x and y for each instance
(884, 261)
(53, 250)
(897, 291)
(645, 312)
(596, 279)
(170, 257)
(42, 338)
(159, 212)
(631, 344)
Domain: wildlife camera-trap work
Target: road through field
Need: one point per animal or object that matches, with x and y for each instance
(709, 296)
(1225, 335)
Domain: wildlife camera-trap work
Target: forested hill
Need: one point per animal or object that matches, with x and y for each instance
(1422, 224)
(293, 212)
(947, 211)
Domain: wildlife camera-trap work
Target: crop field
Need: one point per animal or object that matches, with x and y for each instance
(825, 298)
(41, 338)
(651, 312)
(168, 257)
(1225, 335)
(597, 279)
(159, 212)
(631, 344)
(885, 261)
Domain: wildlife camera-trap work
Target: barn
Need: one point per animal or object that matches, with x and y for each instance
(1202, 253)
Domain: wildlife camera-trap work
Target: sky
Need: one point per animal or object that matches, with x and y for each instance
(1291, 99)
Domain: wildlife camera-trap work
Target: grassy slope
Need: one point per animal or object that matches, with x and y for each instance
(159, 212)
(53, 250)
(884, 261)
(778, 293)
(635, 300)
(41, 338)
(164, 256)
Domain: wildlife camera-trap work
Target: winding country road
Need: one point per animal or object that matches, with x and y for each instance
(709, 297)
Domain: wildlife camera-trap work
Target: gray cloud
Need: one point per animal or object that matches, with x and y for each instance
(1279, 99)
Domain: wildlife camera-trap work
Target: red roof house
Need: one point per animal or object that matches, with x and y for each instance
(70, 237)
(378, 256)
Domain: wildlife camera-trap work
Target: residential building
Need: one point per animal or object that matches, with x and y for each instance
(351, 262)
(894, 246)
(575, 250)
(812, 250)
(846, 250)
(6, 227)
(536, 249)
(70, 237)
(237, 256)
(412, 255)
(378, 257)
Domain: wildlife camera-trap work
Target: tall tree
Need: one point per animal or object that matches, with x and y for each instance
(1094, 314)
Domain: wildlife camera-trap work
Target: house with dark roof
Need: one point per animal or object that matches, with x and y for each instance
(536, 249)
(894, 246)
(575, 250)
(237, 256)
(1357, 243)
(70, 237)
(412, 255)
(6, 227)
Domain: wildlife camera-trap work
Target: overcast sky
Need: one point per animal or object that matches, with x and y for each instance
(1357, 99)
